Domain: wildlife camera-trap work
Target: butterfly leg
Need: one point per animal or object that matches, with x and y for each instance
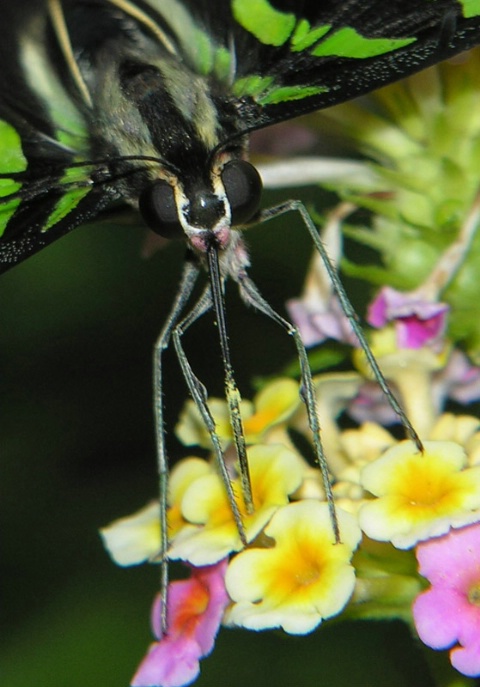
(187, 283)
(199, 395)
(347, 307)
(252, 296)
(173, 330)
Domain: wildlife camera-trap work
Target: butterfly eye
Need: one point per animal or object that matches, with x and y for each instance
(243, 187)
(159, 210)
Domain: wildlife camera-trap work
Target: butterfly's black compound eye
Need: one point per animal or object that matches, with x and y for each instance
(159, 210)
(243, 187)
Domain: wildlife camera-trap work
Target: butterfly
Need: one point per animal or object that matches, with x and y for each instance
(149, 104)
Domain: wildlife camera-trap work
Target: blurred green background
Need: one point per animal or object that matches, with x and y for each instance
(76, 443)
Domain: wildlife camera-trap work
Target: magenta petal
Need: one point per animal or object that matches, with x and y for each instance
(377, 310)
(450, 560)
(168, 664)
(467, 659)
(413, 332)
(195, 611)
(213, 577)
(418, 321)
(435, 613)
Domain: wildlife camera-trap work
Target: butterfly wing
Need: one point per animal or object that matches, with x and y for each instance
(263, 61)
(41, 199)
(44, 193)
(46, 186)
(284, 58)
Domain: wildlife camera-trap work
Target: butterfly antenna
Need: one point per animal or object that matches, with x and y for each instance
(60, 27)
(136, 13)
(348, 309)
(99, 174)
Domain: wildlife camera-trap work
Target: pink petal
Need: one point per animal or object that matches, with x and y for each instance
(451, 560)
(377, 310)
(369, 403)
(213, 577)
(418, 321)
(304, 319)
(168, 663)
(448, 613)
(436, 616)
(467, 659)
(413, 332)
(195, 611)
(459, 380)
(320, 321)
(469, 632)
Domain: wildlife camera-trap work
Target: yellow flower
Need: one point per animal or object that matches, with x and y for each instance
(304, 578)
(191, 430)
(463, 429)
(135, 538)
(182, 476)
(270, 409)
(419, 495)
(273, 405)
(275, 472)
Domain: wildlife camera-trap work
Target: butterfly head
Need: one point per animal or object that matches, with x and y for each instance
(200, 185)
(203, 212)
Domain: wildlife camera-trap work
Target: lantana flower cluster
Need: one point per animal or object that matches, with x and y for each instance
(293, 574)
(408, 518)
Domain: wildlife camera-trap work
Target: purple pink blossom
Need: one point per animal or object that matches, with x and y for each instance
(418, 321)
